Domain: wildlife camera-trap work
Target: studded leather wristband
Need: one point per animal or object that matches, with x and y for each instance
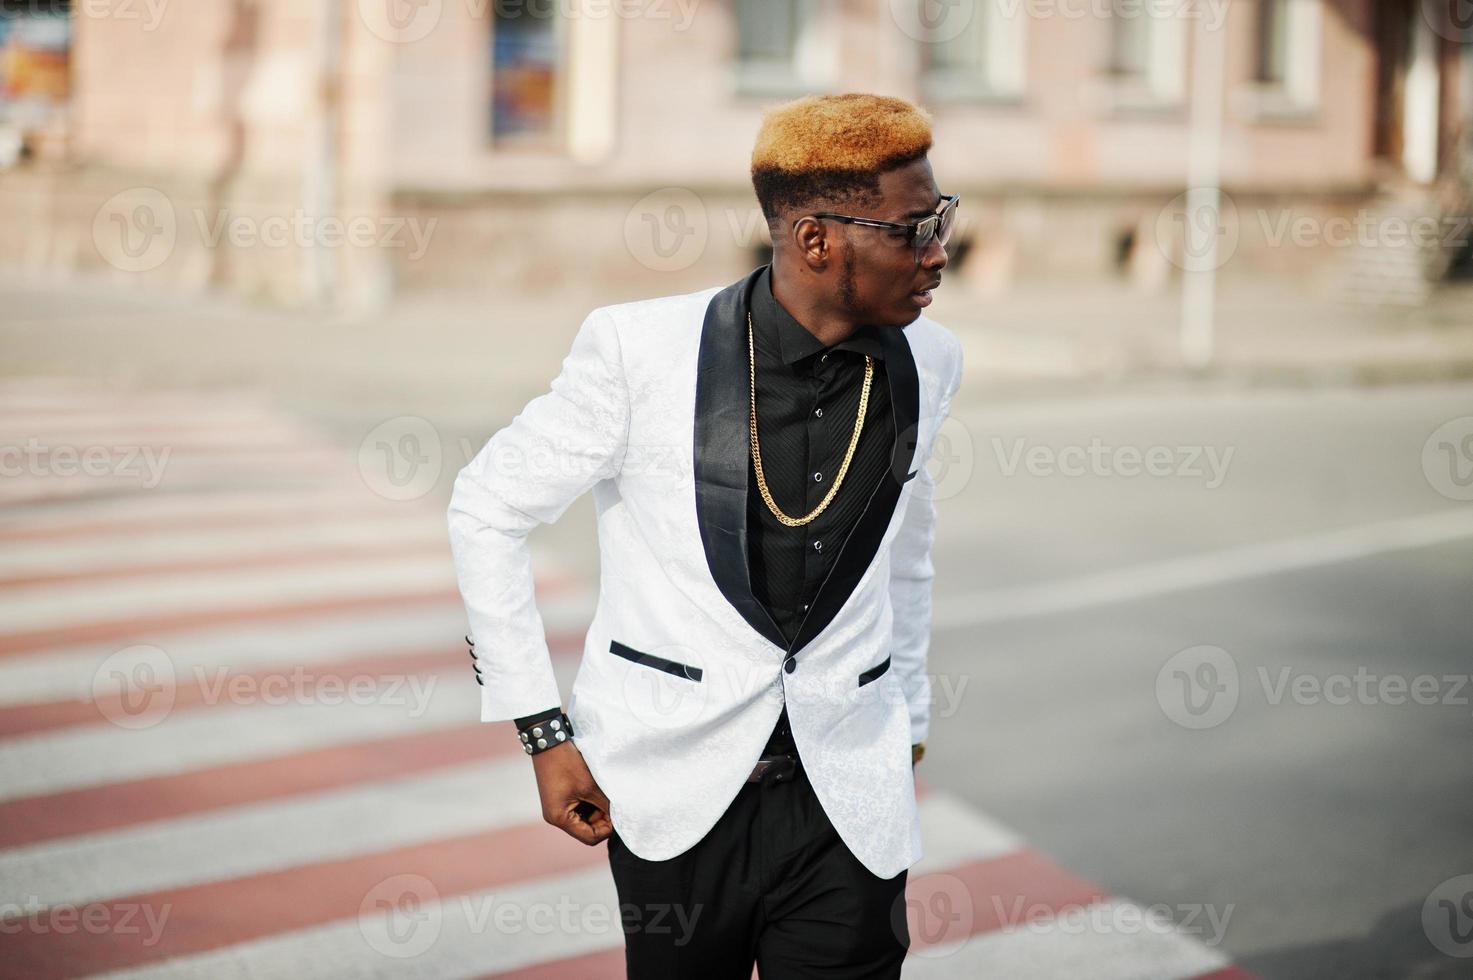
(543, 735)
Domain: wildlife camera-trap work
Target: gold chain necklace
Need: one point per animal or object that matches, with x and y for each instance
(869, 372)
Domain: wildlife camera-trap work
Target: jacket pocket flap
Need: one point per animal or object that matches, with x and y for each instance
(650, 660)
(874, 672)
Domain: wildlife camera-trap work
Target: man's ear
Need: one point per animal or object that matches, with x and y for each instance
(810, 238)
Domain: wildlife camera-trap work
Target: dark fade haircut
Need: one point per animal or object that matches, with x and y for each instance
(826, 151)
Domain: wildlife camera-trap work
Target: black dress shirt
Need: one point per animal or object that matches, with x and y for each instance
(807, 402)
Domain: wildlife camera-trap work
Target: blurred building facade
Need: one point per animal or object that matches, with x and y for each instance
(535, 145)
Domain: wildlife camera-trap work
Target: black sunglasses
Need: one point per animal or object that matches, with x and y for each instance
(919, 234)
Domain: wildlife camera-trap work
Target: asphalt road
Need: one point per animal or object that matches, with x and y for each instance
(1200, 687)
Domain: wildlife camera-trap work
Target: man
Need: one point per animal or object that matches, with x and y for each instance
(752, 695)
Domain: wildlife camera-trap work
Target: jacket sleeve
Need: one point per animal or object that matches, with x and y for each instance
(528, 473)
(911, 573)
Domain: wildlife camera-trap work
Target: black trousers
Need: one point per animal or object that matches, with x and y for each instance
(771, 883)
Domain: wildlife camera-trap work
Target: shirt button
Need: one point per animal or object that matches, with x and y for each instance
(825, 357)
(818, 546)
(818, 413)
(817, 477)
(803, 608)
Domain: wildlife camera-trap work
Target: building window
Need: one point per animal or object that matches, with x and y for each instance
(1130, 45)
(1286, 69)
(35, 73)
(1273, 36)
(779, 47)
(526, 75)
(979, 56)
(1145, 58)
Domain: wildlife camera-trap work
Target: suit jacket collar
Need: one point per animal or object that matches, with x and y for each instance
(722, 457)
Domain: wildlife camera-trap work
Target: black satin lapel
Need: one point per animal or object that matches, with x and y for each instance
(722, 447)
(863, 541)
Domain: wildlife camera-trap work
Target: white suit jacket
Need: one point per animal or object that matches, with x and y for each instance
(683, 672)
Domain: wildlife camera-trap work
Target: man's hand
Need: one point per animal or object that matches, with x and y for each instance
(917, 751)
(571, 800)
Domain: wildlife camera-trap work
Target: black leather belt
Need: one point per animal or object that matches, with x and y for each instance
(777, 767)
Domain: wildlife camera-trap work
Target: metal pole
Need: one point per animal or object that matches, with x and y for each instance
(1203, 225)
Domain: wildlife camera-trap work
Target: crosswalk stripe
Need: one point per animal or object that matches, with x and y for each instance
(69, 672)
(127, 554)
(137, 628)
(92, 809)
(25, 609)
(1064, 950)
(214, 686)
(54, 762)
(247, 840)
(203, 511)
